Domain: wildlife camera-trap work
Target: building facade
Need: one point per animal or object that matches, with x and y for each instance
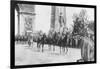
(25, 19)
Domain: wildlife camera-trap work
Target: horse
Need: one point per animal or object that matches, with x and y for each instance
(38, 41)
(30, 41)
(54, 40)
(50, 40)
(41, 40)
(62, 42)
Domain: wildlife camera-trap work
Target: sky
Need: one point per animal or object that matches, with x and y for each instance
(72, 10)
(43, 17)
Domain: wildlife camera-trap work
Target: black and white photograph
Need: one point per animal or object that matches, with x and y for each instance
(50, 34)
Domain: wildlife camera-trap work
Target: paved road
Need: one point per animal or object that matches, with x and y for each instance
(25, 55)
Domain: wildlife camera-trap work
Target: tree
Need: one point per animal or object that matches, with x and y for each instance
(80, 23)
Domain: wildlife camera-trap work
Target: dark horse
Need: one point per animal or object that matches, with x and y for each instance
(62, 42)
(41, 41)
(52, 39)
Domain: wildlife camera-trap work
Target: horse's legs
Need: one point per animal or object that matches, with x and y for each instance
(63, 46)
(53, 47)
(29, 45)
(63, 49)
(38, 45)
(42, 47)
(60, 49)
(32, 44)
(66, 49)
(49, 46)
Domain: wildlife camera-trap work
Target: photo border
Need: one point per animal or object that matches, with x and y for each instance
(12, 31)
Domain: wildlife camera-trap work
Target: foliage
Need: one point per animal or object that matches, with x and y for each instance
(80, 23)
